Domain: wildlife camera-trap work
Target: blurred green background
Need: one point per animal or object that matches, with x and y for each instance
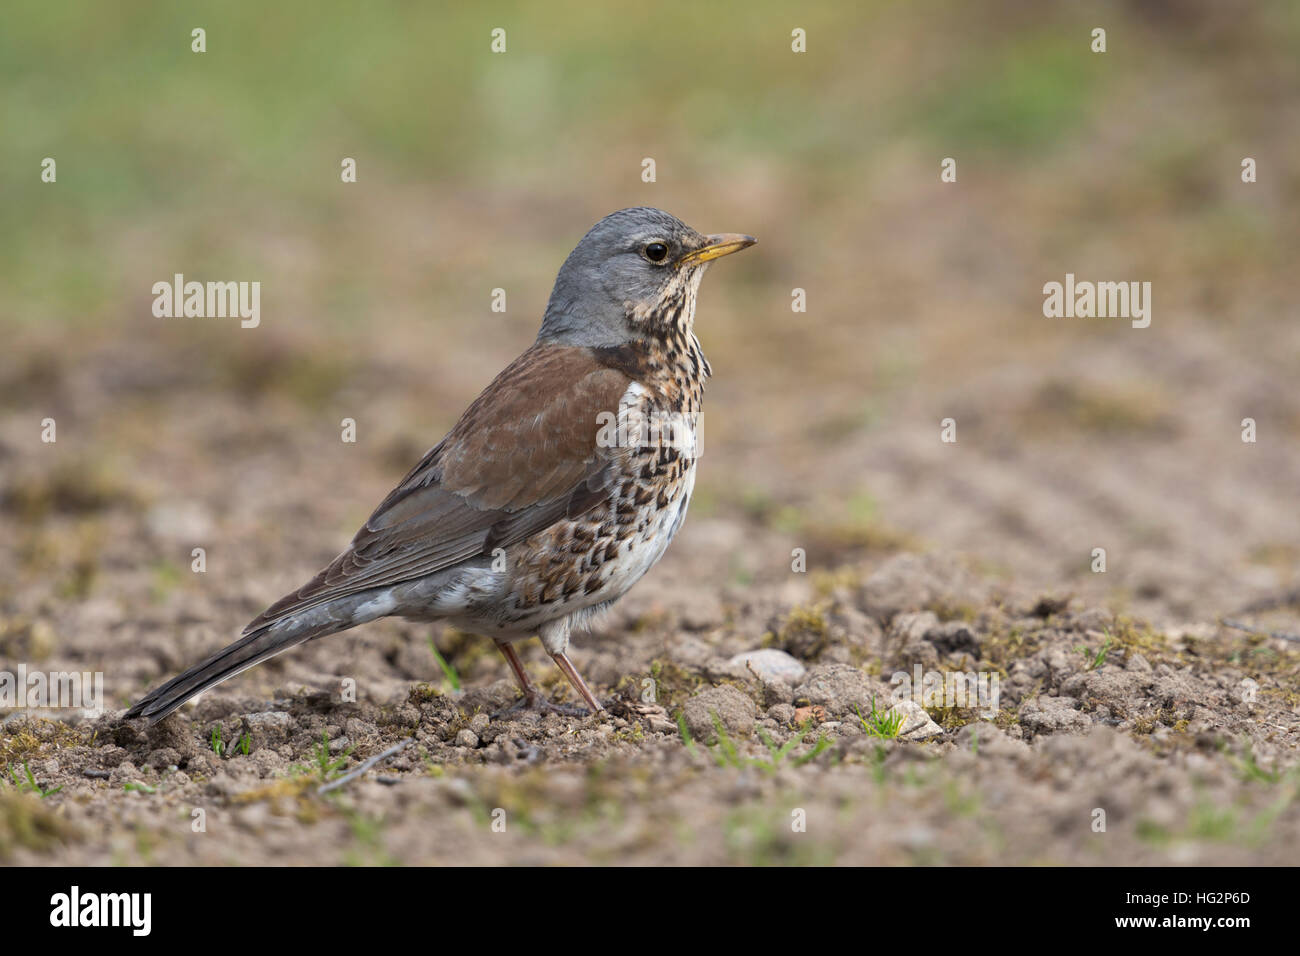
(479, 170)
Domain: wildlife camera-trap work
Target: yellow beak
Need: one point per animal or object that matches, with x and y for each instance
(723, 244)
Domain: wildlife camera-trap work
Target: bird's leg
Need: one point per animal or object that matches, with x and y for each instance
(566, 667)
(531, 693)
(533, 698)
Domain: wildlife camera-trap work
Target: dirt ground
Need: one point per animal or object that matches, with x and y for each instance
(1113, 741)
(1161, 735)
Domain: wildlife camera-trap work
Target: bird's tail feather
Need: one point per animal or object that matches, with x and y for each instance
(253, 648)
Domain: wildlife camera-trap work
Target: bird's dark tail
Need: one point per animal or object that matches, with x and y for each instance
(253, 648)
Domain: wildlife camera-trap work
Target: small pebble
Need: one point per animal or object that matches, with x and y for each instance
(769, 664)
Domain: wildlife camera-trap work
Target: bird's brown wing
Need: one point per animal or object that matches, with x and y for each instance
(522, 457)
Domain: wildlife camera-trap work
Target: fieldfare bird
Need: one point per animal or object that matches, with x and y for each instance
(560, 486)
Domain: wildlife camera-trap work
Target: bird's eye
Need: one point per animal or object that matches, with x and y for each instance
(656, 252)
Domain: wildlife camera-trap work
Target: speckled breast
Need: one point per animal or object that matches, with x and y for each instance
(595, 558)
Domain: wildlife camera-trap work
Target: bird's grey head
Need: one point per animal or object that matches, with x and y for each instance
(633, 276)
